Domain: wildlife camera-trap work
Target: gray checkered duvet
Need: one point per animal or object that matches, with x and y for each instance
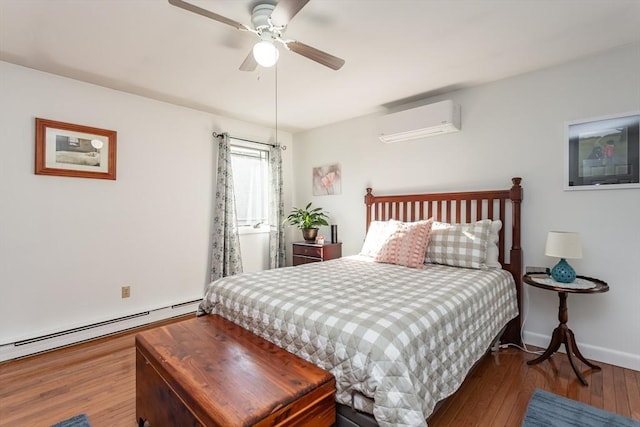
(404, 337)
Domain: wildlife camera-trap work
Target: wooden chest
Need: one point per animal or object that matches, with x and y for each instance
(207, 371)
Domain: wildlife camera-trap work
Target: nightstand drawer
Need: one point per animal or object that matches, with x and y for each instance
(307, 250)
(299, 260)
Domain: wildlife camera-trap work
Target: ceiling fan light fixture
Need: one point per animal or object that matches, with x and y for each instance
(269, 20)
(266, 53)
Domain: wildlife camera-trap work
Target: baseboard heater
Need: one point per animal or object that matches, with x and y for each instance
(80, 334)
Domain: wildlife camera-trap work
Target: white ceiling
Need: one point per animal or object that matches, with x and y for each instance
(396, 51)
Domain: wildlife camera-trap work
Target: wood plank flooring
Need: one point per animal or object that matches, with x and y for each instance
(98, 378)
(498, 390)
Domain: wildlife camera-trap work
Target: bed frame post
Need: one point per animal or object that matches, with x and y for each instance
(368, 200)
(513, 333)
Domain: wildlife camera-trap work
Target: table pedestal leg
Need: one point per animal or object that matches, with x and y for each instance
(563, 335)
(574, 346)
(558, 337)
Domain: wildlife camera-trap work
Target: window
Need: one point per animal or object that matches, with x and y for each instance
(250, 184)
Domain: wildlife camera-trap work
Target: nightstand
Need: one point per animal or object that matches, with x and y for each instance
(306, 252)
(562, 334)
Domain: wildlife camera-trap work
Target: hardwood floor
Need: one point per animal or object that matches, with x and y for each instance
(498, 390)
(98, 378)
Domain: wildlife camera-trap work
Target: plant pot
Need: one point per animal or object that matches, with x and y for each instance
(309, 234)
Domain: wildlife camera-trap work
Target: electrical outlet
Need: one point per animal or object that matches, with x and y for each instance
(126, 291)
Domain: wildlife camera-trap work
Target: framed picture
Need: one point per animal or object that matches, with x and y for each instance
(65, 149)
(327, 180)
(602, 153)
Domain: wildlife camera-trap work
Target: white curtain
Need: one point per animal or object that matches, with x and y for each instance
(225, 243)
(276, 210)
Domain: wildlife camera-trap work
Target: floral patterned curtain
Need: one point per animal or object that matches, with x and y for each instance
(276, 210)
(225, 243)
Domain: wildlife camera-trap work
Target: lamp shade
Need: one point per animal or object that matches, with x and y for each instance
(266, 53)
(563, 244)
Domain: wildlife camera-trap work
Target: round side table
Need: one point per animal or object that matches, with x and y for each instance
(562, 334)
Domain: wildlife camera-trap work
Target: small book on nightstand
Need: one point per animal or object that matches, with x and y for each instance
(538, 275)
(537, 272)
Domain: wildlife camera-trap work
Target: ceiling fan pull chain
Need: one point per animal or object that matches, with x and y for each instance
(276, 75)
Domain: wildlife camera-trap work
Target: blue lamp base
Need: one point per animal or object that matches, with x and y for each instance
(563, 272)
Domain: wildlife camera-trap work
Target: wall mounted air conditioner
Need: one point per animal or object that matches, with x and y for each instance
(432, 119)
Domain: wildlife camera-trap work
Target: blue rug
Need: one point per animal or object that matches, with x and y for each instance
(77, 421)
(549, 410)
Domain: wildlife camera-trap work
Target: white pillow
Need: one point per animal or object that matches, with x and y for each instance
(379, 232)
(492, 245)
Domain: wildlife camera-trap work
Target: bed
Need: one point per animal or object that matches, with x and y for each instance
(397, 339)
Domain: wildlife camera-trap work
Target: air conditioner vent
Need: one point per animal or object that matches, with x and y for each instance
(421, 122)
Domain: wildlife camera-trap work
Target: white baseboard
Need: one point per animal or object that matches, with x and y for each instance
(591, 352)
(64, 338)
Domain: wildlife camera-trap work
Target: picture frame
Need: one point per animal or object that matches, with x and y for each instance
(327, 180)
(66, 149)
(603, 153)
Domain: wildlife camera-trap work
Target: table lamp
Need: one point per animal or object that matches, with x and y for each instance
(563, 244)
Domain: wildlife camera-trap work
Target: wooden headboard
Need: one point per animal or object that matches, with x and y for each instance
(464, 207)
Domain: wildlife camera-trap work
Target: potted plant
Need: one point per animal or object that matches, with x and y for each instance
(308, 220)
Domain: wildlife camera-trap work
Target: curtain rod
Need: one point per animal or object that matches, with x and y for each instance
(282, 147)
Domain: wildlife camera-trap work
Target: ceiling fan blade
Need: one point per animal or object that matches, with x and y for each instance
(207, 13)
(314, 54)
(287, 9)
(249, 63)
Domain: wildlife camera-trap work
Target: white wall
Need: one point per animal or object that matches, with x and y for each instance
(67, 245)
(513, 127)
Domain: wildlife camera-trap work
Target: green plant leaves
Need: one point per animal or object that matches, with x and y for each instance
(307, 217)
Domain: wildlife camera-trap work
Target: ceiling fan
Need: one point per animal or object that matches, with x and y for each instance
(269, 23)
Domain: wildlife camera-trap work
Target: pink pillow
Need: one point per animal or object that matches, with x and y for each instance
(407, 245)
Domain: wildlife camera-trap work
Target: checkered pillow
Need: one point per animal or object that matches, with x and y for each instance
(459, 245)
(407, 245)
